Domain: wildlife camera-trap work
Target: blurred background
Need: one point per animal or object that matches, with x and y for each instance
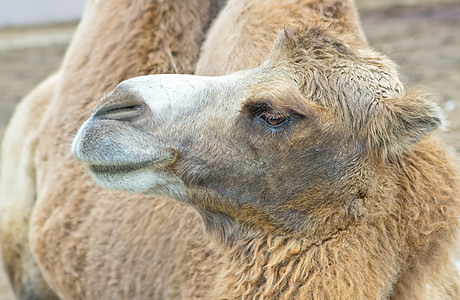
(421, 36)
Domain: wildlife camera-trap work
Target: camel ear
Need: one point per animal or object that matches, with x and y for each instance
(395, 124)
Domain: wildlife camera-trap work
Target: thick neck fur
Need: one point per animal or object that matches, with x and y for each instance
(345, 266)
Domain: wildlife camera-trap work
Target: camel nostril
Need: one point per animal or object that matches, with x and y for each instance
(119, 111)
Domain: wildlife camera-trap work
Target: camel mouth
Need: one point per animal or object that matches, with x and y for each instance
(160, 162)
(118, 169)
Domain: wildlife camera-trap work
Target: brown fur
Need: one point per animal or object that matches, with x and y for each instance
(390, 239)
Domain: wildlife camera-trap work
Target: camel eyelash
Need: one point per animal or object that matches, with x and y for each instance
(256, 109)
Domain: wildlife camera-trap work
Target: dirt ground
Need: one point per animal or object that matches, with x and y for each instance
(424, 40)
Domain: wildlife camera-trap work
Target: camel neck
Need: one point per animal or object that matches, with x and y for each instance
(286, 268)
(266, 268)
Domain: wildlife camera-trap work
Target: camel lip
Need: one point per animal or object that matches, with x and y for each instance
(161, 161)
(118, 169)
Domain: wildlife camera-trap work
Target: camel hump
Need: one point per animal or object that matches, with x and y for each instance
(19, 192)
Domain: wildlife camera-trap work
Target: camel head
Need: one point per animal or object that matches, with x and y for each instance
(289, 147)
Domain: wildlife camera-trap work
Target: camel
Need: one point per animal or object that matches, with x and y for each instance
(315, 173)
(91, 243)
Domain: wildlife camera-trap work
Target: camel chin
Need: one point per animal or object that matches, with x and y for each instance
(144, 180)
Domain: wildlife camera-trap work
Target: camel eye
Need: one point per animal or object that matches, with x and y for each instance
(273, 119)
